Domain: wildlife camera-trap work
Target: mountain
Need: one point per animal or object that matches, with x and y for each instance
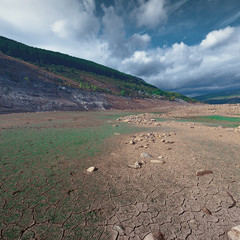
(221, 97)
(45, 80)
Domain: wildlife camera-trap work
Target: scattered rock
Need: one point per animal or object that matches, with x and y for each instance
(132, 142)
(146, 155)
(169, 142)
(160, 157)
(203, 172)
(205, 210)
(117, 134)
(158, 161)
(154, 236)
(237, 130)
(234, 233)
(91, 169)
(115, 125)
(163, 140)
(119, 228)
(136, 165)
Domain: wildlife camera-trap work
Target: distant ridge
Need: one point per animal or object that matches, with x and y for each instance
(225, 97)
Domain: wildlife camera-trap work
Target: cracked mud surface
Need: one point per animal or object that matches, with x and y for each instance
(63, 201)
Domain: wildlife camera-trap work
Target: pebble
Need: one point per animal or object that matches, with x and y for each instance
(146, 155)
(158, 161)
(154, 236)
(136, 165)
(205, 210)
(91, 169)
(234, 233)
(203, 172)
(132, 142)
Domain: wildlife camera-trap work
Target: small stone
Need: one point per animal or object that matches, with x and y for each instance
(234, 233)
(163, 140)
(115, 125)
(117, 134)
(91, 169)
(154, 236)
(203, 172)
(158, 161)
(160, 157)
(145, 146)
(119, 228)
(205, 210)
(136, 165)
(146, 155)
(132, 142)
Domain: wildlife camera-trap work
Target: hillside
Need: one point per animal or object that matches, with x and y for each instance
(221, 98)
(84, 74)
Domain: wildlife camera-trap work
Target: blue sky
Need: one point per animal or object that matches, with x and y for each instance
(187, 46)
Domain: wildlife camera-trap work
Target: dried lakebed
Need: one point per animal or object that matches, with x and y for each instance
(186, 186)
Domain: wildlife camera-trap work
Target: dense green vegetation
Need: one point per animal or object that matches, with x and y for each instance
(89, 75)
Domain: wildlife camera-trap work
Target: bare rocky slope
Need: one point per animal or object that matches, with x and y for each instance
(25, 88)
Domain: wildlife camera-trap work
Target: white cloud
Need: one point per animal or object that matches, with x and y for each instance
(67, 26)
(151, 13)
(215, 38)
(191, 68)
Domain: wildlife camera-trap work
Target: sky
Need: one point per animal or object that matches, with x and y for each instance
(186, 46)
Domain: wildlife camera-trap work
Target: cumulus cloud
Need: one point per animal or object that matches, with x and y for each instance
(215, 38)
(212, 65)
(53, 22)
(114, 33)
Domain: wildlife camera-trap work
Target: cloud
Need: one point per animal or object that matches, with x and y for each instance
(119, 45)
(215, 38)
(211, 65)
(67, 26)
(151, 13)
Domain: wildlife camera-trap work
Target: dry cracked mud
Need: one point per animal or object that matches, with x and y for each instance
(123, 203)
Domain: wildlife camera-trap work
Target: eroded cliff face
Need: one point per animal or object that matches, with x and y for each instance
(26, 88)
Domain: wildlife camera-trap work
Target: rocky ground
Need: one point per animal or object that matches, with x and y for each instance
(181, 179)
